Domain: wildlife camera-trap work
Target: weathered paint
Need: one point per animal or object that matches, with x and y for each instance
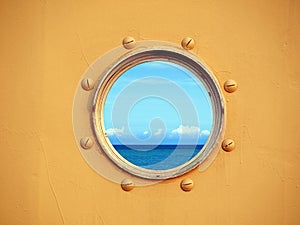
(47, 45)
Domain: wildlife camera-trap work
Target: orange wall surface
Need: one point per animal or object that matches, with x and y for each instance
(47, 45)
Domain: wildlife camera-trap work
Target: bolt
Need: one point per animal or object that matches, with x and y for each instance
(127, 184)
(187, 184)
(87, 84)
(228, 145)
(129, 42)
(230, 86)
(188, 43)
(86, 142)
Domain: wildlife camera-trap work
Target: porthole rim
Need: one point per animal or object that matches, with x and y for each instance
(112, 154)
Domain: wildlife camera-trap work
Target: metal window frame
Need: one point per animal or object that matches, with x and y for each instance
(108, 68)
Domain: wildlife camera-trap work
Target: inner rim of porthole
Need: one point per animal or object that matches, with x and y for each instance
(132, 60)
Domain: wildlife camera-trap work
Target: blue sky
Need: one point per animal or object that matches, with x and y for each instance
(158, 103)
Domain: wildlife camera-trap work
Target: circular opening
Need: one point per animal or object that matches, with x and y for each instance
(157, 113)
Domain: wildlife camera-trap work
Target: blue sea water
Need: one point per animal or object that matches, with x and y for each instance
(159, 157)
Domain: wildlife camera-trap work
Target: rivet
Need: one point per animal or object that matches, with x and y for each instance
(228, 145)
(187, 184)
(127, 184)
(188, 43)
(86, 142)
(129, 42)
(230, 86)
(87, 84)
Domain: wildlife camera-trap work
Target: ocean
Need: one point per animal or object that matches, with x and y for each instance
(159, 157)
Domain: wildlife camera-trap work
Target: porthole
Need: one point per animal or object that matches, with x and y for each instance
(154, 111)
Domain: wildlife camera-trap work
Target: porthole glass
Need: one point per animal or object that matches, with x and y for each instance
(158, 115)
(153, 112)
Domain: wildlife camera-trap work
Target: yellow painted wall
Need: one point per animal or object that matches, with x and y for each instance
(47, 45)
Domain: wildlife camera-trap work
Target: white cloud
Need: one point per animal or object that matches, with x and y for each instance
(146, 132)
(158, 132)
(205, 133)
(186, 130)
(115, 131)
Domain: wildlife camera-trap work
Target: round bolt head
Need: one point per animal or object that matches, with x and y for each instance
(86, 142)
(230, 86)
(228, 145)
(129, 42)
(87, 84)
(188, 43)
(127, 184)
(187, 184)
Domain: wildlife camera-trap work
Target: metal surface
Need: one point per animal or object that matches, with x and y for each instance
(188, 43)
(230, 86)
(87, 84)
(128, 42)
(187, 184)
(86, 142)
(228, 145)
(46, 46)
(127, 184)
